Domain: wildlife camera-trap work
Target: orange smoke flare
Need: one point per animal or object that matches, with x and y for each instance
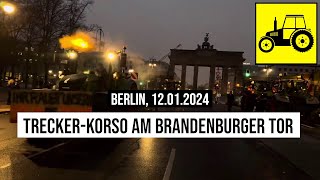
(80, 41)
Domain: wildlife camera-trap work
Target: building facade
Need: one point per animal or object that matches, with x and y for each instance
(265, 73)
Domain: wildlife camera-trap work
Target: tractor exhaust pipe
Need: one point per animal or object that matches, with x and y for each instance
(275, 24)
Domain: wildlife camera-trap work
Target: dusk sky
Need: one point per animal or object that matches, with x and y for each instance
(151, 27)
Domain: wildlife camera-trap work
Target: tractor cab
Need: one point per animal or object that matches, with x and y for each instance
(294, 22)
(293, 33)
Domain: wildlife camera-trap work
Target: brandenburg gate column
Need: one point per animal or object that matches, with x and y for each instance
(183, 76)
(195, 77)
(212, 77)
(224, 83)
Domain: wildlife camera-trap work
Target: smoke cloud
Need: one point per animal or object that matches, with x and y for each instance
(79, 41)
(138, 63)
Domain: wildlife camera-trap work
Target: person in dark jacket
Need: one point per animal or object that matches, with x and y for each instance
(11, 85)
(243, 101)
(250, 102)
(230, 101)
(261, 103)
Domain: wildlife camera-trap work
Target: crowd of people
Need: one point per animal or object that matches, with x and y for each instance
(250, 101)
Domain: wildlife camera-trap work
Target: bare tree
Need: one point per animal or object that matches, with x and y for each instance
(48, 20)
(76, 14)
(40, 24)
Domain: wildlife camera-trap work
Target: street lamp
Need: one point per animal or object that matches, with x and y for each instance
(72, 55)
(267, 71)
(8, 8)
(152, 65)
(111, 56)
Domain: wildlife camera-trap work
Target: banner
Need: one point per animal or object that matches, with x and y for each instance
(49, 101)
(159, 125)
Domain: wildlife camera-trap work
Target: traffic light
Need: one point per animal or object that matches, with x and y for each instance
(247, 73)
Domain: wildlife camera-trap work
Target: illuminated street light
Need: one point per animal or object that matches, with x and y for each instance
(131, 70)
(111, 56)
(50, 71)
(72, 55)
(267, 70)
(8, 8)
(86, 72)
(115, 75)
(152, 65)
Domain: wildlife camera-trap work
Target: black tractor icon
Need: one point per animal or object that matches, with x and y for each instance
(293, 32)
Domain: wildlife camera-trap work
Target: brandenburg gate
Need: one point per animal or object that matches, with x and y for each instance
(230, 62)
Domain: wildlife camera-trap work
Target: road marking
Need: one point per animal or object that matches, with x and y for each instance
(38, 153)
(307, 126)
(46, 150)
(5, 166)
(170, 164)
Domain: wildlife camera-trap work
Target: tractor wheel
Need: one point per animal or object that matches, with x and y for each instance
(266, 44)
(302, 40)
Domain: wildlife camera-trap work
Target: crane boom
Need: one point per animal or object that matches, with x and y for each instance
(164, 57)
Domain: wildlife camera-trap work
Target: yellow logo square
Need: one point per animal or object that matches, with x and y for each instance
(286, 33)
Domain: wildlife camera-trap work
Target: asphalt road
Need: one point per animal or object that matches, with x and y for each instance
(137, 159)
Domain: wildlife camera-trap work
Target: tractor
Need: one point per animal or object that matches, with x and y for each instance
(293, 32)
(77, 92)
